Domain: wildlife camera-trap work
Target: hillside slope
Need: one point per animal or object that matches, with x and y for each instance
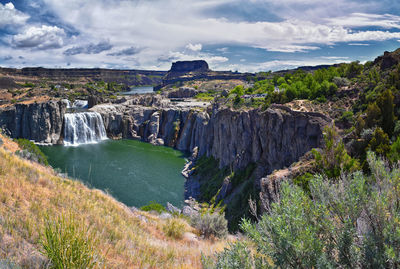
(30, 194)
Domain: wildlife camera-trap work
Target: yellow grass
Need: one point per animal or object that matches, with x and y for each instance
(29, 191)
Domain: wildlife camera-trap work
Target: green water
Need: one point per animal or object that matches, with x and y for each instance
(133, 172)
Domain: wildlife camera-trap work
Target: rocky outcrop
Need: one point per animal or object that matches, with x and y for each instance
(41, 122)
(388, 59)
(270, 184)
(183, 92)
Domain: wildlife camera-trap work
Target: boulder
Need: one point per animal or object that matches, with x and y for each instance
(172, 209)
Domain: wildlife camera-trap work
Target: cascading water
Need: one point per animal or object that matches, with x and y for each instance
(83, 128)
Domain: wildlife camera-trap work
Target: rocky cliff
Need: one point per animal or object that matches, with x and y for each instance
(273, 138)
(41, 122)
(255, 141)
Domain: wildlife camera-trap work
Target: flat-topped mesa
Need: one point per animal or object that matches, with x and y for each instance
(182, 68)
(190, 66)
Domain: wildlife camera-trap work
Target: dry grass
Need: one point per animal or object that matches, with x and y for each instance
(29, 192)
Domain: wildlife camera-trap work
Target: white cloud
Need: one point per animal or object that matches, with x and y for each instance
(387, 21)
(337, 58)
(180, 56)
(275, 65)
(194, 47)
(9, 16)
(358, 44)
(223, 50)
(142, 32)
(45, 37)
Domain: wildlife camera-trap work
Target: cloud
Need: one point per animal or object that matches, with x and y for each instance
(223, 50)
(180, 56)
(89, 48)
(126, 52)
(358, 44)
(340, 58)
(6, 58)
(386, 21)
(194, 47)
(9, 16)
(45, 37)
(275, 65)
(208, 30)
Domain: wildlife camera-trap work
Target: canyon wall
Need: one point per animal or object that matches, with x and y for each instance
(41, 122)
(273, 138)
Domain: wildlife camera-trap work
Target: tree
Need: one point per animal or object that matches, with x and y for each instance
(334, 158)
(373, 115)
(386, 106)
(380, 142)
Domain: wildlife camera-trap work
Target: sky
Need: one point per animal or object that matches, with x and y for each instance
(237, 35)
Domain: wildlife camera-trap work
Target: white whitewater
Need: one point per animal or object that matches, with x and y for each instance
(83, 128)
(80, 104)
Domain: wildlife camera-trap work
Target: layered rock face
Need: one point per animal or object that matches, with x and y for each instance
(41, 122)
(273, 138)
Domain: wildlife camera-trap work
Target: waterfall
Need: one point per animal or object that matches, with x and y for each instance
(80, 104)
(83, 128)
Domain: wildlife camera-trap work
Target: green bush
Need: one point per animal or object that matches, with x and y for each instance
(174, 228)
(333, 160)
(350, 223)
(211, 224)
(31, 151)
(153, 206)
(236, 256)
(67, 243)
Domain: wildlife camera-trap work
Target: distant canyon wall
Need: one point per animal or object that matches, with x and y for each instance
(128, 77)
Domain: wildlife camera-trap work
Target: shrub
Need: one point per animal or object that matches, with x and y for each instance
(340, 82)
(379, 142)
(351, 223)
(394, 154)
(68, 243)
(236, 256)
(334, 158)
(174, 228)
(31, 151)
(211, 224)
(153, 206)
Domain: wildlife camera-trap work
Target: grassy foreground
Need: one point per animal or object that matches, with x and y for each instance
(32, 196)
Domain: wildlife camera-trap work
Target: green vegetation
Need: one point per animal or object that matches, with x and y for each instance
(28, 85)
(212, 180)
(31, 152)
(153, 206)
(207, 96)
(351, 223)
(210, 221)
(211, 224)
(334, 159)
(69, 244)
